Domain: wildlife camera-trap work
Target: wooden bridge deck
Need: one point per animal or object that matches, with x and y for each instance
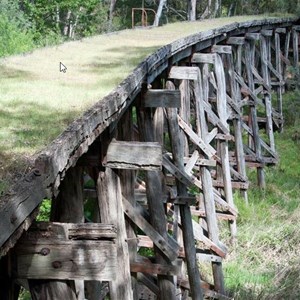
(164, 150)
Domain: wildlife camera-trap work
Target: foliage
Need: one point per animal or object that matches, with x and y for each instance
(13, 40)
(44, 213)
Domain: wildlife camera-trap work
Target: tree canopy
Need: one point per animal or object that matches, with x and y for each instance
(26, 24)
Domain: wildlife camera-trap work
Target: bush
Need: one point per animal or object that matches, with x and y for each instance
(13, 40)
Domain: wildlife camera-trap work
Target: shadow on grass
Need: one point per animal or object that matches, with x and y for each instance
(26, 128)
(29, 126)
(131, 57)
(12, 73)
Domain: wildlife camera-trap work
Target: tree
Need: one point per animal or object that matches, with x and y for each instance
(192, 10)
(161, 5)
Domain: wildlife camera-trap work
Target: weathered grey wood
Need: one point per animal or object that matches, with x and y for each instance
(252, 36)
(125, 132)
(134, 155)
(235, 40)
(150, 268)
(162, 98)
(66, 259)
(149, 282)
(134, 214)
(207, 186)
(221, 96)
(248, 63)
(66, 207)
(205, 147)
(279, 69)
(156, 209)
(111, 211)
(221, 49)
(266, 76)
(183, 73)
(203, 58)
(186, 218)
(185, 110)
(296, 48)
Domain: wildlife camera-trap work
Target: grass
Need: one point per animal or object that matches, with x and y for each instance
(265, 263)
(37, 102)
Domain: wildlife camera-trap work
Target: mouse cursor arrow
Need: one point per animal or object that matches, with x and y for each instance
(62, 67)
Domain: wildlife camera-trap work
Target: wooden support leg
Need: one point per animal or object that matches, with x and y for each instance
(111, 212)
(68, 208)
(249, 61)
(127, 178)
(156, 208)
(186, 217)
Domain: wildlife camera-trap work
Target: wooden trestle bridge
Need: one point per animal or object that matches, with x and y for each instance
(161, 155)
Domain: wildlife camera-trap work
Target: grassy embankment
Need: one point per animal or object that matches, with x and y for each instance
(37, 102)
(265, 264)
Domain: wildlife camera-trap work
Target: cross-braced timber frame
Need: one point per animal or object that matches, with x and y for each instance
(158, 160)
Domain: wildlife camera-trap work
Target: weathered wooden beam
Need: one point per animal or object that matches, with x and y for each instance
(112, 212)
(235, 40)
(162, 98)
(252, 36)
(134, 155)
(221, 49)
(203, 58)
(66, 260)
(182, 73)
(159, 269)
(134, 214)
(187, 229)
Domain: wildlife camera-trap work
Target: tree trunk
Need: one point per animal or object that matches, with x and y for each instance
(207, 12)
(111, 13)
(192, 10)
(67, 23)
(161, 5)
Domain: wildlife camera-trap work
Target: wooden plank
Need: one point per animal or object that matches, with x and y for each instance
(198, 232)
(188, 200)
(150, 268)
(191, 162)
(206, 148)
(134, 214)
(71, 231)
(208, 257)
(162, 98)
(252, 36)
(187, 73)
(267, 33)
(280, 30)
(219, 215)
(134, 155)
(149, 282)
(67, 260)
(203, 58)
(221, 49)
(233, 40)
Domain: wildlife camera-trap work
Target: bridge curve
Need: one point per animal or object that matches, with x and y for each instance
(220, 77)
